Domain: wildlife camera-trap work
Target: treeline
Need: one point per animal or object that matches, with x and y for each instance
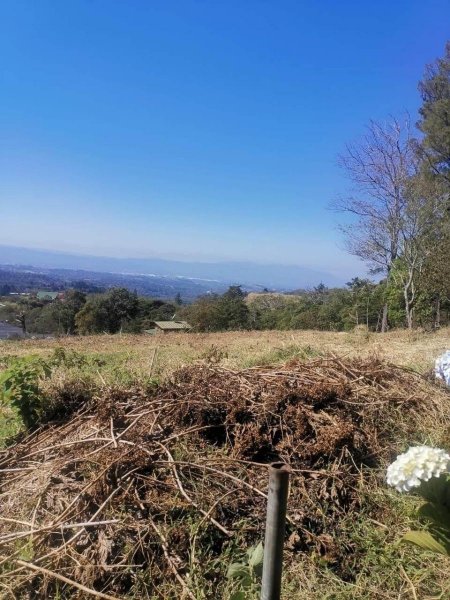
(399, 203)
(78, 313)
(360, 303)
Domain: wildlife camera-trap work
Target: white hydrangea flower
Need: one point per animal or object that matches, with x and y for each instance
(418, 464)
(442, 367)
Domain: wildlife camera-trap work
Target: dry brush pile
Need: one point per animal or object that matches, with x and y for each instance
(139, 489)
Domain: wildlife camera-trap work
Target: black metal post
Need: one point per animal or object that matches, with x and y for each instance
(275, 528)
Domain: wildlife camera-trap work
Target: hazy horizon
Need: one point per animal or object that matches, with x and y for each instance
(169, 256)
(246, 272)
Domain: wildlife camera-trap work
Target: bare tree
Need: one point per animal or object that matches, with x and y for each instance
(380, 167)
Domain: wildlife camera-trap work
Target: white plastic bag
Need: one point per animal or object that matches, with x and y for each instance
(442, 367)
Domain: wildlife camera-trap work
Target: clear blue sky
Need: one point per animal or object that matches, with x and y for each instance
(204, 129)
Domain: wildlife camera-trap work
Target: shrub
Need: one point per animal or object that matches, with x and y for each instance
(20, 386)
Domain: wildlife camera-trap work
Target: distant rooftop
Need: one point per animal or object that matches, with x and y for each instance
(172, 325)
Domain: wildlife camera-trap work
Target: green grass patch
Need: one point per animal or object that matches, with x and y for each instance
(282, 354)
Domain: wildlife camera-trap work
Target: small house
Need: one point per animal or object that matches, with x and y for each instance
(168, 326)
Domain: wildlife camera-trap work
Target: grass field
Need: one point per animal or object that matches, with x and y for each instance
(165, 353)
(377, 566)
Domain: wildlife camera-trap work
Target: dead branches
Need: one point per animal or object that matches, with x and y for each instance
(143, 479)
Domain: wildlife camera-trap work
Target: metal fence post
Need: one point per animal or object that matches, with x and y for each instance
(275, 528)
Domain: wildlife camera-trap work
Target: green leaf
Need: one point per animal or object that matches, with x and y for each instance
(436, 490)
(257, 555)
(436, 513)
(246, 581)
(424, 540)
(238, 595)
(237, 571)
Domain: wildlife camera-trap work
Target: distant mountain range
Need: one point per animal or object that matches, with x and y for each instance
(19, 279)
(160, 276)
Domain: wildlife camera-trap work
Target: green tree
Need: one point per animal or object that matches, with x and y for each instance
(178, 300)
(364, 308)
(203, 314)
(64, 311)
(107, 312)
(219, 313)
(24, 309)
(93, 317)
(233, 312)
(42, 319)
(435, 117)
(149, 309)
(434, 285)
(434, 149)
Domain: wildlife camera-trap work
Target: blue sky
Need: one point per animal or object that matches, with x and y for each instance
(200, 130)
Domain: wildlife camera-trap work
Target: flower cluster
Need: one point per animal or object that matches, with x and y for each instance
(418, 464)
(442, 367)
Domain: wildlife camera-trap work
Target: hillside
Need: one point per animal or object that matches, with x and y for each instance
(28, 278)
(251, 274)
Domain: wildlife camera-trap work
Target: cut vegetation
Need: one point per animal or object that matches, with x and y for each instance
(131, 488)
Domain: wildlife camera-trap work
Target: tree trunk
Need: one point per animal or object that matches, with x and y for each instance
(409, 294)
(384, 319)
(408, 309)
(437, 322)
(409, 317)
(22, 321)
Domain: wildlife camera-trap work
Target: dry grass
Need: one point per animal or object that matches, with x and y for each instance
(342, 541)
(151, 492)
(234, 349)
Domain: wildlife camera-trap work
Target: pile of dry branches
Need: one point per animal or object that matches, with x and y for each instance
(115, 499)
